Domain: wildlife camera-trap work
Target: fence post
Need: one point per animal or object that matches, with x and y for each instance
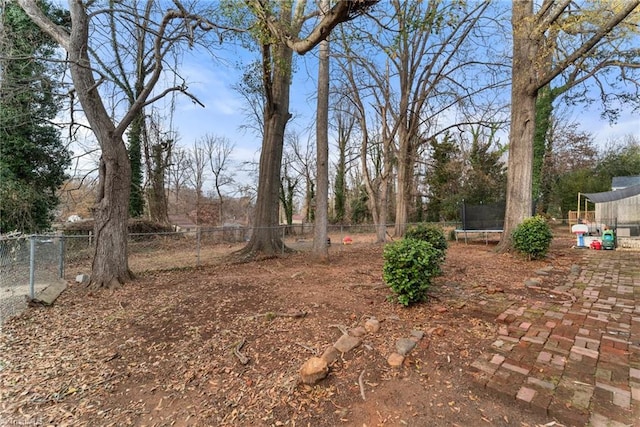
(198, 231)
(32, 266)
(283, 233)
(61, 260)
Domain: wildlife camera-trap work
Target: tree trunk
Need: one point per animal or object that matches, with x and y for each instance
(320, 247)
(383, 199)
(404, 181)
(136, 204)
(111, 211)
(541, 145)
(265, 239)
(339, 190)
(110, 266)
(158, 205)
(523, 111)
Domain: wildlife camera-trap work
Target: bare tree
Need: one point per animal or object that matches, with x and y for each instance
(198, 168)
(301, 159)
(280, 24)
(534, 34)
(110, 262)
(157, 146)
(178, 171)
(250, 87)
(344, 126)
(421, 74)
(320, 249)
(219, 151)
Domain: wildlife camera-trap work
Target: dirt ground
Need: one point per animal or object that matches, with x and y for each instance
(160, 351)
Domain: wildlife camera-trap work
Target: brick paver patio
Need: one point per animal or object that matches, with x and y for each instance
(577, 360)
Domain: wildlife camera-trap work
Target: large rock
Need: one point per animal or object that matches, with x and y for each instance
(330, 355)
(314, 370)
(358, 332)
(346, 343)
(405, 345)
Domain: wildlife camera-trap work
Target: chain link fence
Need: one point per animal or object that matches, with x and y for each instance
(28, 264)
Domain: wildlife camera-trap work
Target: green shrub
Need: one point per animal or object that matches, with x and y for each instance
(409, 266)
(532, 237)
(433, 234)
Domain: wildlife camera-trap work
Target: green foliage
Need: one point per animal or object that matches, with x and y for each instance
(532, 237)
(620, 159)
(409, 266)
(359, 206)
(443, 179)
(544, 113)
(486, 181)
(339, 187)
(432, 234)
(33, 158)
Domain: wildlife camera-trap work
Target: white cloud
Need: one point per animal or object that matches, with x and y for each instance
(603, 131)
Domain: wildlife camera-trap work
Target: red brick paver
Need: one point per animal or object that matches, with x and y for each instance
(577, 360)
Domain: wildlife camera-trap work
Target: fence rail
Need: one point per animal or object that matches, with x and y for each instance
(29, 263)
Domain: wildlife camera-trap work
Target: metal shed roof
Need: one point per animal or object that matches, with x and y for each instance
(625, 181)
(611, 196)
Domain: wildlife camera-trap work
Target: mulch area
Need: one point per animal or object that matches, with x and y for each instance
(162, 349)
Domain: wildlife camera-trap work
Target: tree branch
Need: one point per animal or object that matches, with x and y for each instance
(555, 71)
(56, 32)
(342, 11)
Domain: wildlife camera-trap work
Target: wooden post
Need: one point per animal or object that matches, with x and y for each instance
(578, 214)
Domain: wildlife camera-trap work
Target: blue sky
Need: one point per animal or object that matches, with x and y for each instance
(211, 81)
(223, 115)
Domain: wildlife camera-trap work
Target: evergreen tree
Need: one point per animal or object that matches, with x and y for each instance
(486, 179)
(443, 179)
(33, 158)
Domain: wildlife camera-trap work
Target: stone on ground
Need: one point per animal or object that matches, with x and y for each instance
(357, 332)
(48, 295)
(346, 343)
(330, 355)
(405, 345)
(372, 325)
(313, 370)
(395, 360)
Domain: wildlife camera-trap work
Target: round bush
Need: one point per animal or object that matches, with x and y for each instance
(409, 266)
(532, 237)
(430, 233)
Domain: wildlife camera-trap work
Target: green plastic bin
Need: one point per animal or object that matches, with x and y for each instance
(608, 240)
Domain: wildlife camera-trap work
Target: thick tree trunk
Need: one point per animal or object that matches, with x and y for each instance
(320, 247)
(111, 211)
(523, 112)
(404, 184)
(265, 239)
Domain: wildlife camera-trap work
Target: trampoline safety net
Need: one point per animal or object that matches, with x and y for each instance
(482, 217)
